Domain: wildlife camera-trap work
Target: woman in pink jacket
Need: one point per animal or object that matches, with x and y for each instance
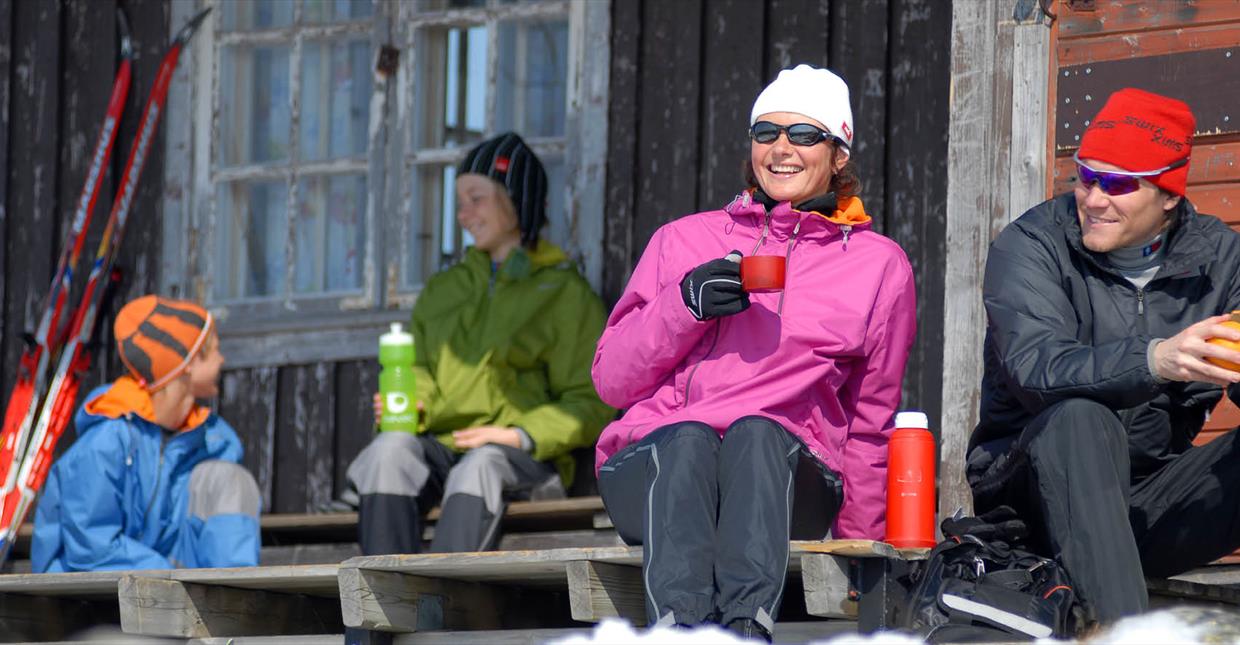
(753, 418)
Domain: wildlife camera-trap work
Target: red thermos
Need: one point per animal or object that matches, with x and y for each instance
(910, 482)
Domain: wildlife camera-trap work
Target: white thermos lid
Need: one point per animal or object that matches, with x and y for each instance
(912, 420)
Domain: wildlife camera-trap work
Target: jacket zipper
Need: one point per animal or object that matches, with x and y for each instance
(766, 224)
(159, 471)
(689, 381)
(847, 228)
(1141, 302)
(792, 241)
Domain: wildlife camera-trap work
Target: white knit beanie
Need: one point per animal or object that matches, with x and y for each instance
(816, 93)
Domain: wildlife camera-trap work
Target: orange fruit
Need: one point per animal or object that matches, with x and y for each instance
(1229, 344)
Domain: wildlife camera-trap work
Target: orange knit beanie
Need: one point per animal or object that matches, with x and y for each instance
(157, 337)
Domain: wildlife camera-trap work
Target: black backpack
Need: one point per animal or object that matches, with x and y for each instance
(978, 584)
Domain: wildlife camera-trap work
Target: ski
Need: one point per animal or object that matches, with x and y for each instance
(74, 357)
(44, 345)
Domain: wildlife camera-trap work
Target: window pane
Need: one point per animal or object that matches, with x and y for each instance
(556, 229)
(335, 99)
(434, 239)
(336, 10)
(532, 77)
(254, 104)
(330, 234)
(240, 15)
(251, 229)
(440, 5)
(452, 64)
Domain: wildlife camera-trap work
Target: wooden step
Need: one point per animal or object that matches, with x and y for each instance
(394, 592)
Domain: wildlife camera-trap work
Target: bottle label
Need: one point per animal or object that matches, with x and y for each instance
(397, 403)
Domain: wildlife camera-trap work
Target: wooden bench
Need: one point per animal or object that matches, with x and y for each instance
(180, 603)
(408, 593)
(321, 538)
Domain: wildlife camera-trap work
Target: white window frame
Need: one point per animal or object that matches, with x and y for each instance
(295, 332)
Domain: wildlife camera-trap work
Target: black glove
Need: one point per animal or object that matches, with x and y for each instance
(999, 524)
(714, 289)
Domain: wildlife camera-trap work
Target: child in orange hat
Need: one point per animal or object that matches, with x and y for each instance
(154, 479)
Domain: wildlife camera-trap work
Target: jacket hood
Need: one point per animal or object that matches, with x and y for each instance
(125, 397)
(521, 262)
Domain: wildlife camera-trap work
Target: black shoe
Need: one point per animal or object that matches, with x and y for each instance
(749, 628)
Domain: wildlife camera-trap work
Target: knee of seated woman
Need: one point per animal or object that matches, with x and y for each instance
(755, 428)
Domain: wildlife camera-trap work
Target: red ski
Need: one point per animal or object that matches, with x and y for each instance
(74, 358)
(31, 381)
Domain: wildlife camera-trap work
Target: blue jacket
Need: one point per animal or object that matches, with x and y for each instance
(118, 498)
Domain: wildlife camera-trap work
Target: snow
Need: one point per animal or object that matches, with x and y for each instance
(1170, 626)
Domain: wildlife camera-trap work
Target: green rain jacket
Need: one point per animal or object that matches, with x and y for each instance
(513, 349)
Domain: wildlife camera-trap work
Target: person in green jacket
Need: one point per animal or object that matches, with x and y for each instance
(504, 343)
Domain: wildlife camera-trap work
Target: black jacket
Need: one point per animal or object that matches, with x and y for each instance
(1062, 324)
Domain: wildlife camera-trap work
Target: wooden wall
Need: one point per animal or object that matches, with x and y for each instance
(1190, 51)
(57, 61)
(684, 76)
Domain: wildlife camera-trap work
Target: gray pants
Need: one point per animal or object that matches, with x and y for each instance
(399, 476)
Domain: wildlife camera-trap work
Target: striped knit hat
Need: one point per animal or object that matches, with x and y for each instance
(509, 161)
(157, 337)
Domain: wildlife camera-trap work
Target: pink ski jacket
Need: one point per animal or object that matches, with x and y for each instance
(826, 362)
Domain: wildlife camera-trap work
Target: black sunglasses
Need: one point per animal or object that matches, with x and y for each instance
(799, 134)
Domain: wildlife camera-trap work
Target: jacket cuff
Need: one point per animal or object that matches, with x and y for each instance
(527, 442)
(1149, 359)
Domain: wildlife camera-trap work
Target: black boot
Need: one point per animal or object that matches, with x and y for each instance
(749, 628)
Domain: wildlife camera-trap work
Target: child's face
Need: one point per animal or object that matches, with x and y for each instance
(204, 369)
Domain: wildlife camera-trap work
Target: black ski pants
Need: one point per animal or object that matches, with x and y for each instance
(1068, 475)
(715, 516)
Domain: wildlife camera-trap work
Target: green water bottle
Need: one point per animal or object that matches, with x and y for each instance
(396, 381)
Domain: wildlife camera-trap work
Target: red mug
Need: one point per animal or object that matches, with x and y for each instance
(763, 272)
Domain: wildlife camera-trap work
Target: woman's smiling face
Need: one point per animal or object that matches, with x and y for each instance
(484, 209)
(792, 173)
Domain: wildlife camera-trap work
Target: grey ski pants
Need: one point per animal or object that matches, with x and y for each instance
(715, 515)
(399, 477)
(1068, 474)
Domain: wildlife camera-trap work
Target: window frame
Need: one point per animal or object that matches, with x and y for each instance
(330, 328)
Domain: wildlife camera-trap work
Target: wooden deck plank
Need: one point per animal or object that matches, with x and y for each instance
(313, 579)
(87, 584)
(549, 566)
(389, 601)
(164, 607)
(542, 567)
(826, 582)
(597, 590)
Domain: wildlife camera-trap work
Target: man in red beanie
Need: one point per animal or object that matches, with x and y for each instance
(1099, 303)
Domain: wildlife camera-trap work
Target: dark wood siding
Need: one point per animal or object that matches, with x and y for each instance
(57, 63)
(683, 79)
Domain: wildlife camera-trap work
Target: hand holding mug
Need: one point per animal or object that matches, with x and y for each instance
(714, 289)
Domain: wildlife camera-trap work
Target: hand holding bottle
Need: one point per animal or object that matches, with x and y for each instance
(378, 403)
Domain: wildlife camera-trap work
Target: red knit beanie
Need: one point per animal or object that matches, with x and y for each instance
(1140, 131)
